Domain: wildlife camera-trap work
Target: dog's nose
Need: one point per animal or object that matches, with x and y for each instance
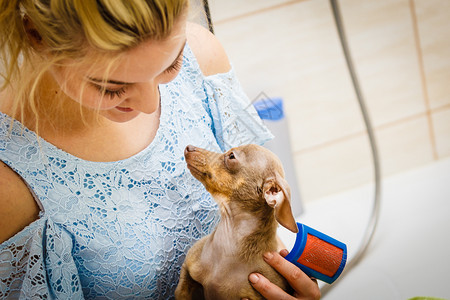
(190, 148)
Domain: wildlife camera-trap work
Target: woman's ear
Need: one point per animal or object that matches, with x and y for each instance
(33, 34)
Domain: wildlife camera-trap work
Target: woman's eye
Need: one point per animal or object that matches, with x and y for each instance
(110, 93)
(176, 66)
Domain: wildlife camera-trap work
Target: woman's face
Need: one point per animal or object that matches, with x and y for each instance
(131, 85)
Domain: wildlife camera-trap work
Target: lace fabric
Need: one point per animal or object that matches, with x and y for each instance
(121, 230)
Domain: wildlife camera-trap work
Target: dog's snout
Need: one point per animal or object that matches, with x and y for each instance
(190, 148)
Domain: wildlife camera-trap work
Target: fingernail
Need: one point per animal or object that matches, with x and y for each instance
(268, 255)
(253, 278)
(284, 252)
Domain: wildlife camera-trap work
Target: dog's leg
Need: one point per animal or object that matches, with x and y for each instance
(188, 288)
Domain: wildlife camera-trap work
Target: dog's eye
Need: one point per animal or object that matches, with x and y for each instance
(231, 156)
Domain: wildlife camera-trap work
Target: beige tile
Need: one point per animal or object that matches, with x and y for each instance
(293, 52)
(405, 145)
(334, 168)
(382, 44)
(347, 164)
(434, 30)
(221, 10)
(441, 124)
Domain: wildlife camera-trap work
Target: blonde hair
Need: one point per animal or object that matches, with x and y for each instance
(68, 29)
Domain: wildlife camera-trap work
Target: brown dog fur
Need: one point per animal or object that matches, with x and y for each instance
(248, 184)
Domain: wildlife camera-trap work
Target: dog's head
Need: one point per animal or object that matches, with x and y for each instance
(250, 174)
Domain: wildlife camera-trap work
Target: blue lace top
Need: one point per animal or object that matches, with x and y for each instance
(116, 230)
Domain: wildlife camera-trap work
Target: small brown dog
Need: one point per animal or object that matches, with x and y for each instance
(248, 184)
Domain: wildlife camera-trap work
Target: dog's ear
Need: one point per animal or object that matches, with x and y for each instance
(277, 193)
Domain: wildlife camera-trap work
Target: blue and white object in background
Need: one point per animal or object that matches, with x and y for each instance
(271, 111)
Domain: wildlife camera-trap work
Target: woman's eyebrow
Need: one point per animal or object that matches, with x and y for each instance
(112, 81)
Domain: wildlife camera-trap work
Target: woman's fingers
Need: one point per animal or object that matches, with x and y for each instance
(303, 286)
(266, 288)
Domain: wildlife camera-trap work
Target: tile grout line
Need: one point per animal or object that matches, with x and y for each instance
(379, 127)
(364, 132)
(441, 108)
(423, 78)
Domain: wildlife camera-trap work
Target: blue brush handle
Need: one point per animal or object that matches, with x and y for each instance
(325, 257)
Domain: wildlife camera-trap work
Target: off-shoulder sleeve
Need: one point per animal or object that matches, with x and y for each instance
(25, 261)
(235, 120)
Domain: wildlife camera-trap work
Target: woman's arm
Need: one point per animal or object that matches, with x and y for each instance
(210, 54)
(17, 206)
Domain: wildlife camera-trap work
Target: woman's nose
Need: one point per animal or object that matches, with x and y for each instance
(146, 98)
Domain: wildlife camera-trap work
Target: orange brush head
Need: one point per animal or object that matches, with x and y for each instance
(317, 254)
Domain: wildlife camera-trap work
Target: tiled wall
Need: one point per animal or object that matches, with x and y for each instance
(401, 49)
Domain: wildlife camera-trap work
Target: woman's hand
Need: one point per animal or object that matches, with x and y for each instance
(304, 287)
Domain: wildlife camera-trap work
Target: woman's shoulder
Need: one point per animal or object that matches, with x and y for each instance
(209, 52)
(17, 205)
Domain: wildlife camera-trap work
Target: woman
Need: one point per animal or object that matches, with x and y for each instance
(98, 102)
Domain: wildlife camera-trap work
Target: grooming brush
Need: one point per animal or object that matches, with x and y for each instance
(317, 254)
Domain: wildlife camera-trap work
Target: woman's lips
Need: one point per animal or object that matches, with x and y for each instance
(124, 109)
